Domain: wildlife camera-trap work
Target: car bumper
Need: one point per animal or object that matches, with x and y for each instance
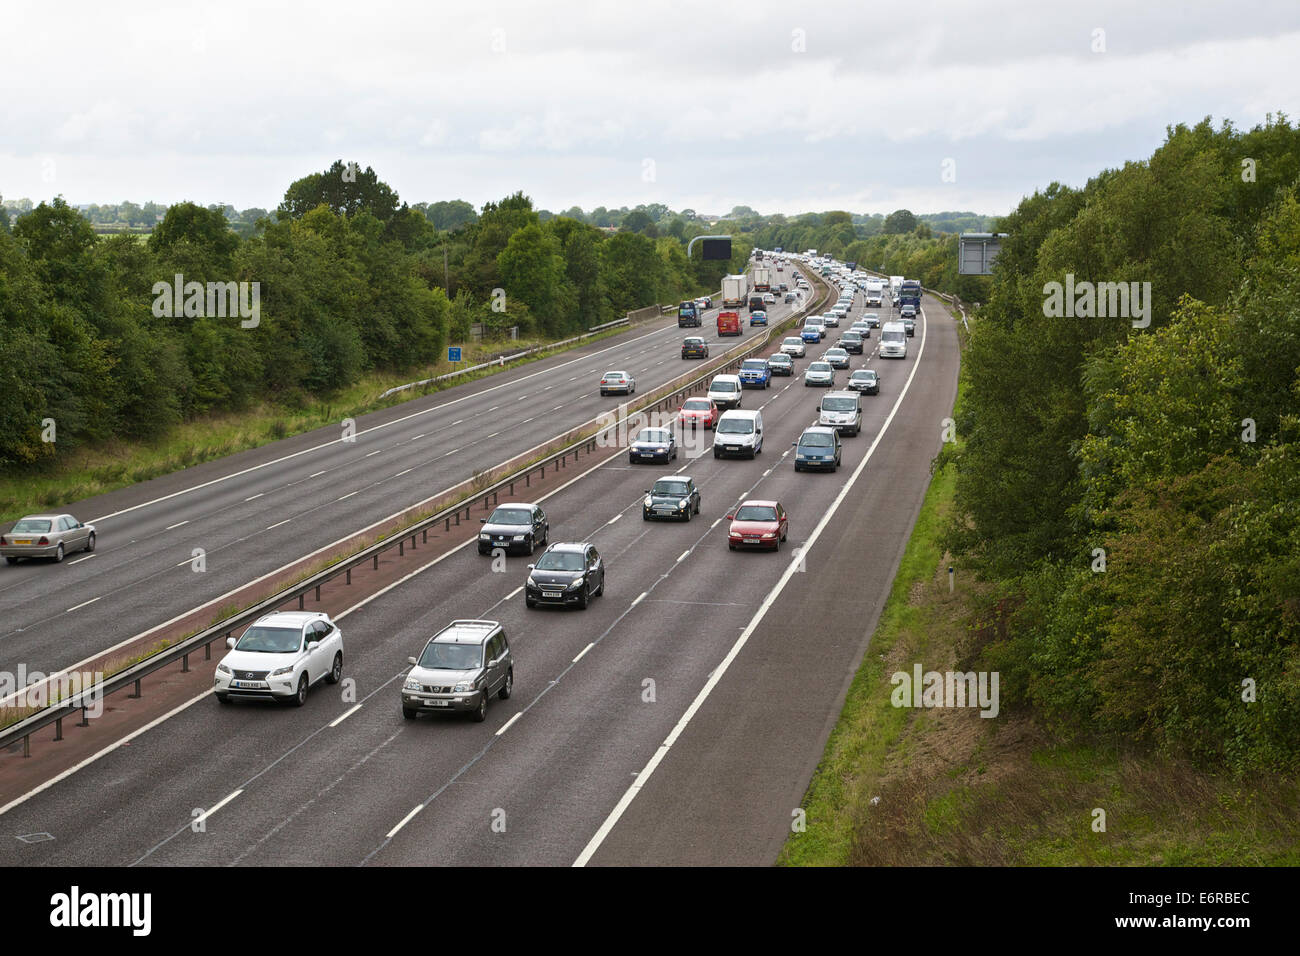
(637, 457)
(816, 465)
(734, 451)
(538, 595)
(676, 514)
(435, 702)
(762, 544)
(273, 688)
(30, 550)
(697, 422)
(753, 383)
(487, 547)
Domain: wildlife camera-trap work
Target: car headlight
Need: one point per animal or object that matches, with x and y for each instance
(648, 502)
(575, 585)
(484, 537)
(411, 684)
(280, 672)
(465, 687)
(519, 537)
(530, 582)
(683, 503)
(223, 669)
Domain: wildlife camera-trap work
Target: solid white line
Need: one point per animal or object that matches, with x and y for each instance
(506, 725)
(641, 779)
(344, 716)
(421, 435)
(525, 421)
(405, 820)
(493, 435)
(260, 493)
(107, 750)
(514, 592)
(456, 422)
(557, 408)
(452, 452)
(583, 653)
(177, 524)
(375, 452)
(348, 495)
(79, 560)
(207, 813)
(640, 598)
(84, 603)
(401, 473)
(314, 474)
(278, 524)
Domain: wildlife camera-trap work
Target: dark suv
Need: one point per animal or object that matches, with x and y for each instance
(517, 527)
(565, 574)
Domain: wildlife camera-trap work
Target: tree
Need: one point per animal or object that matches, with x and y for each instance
(899, 221)
(447, 215)
(345, 189)
(206, 228)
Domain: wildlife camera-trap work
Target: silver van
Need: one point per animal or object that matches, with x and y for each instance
(841, 411)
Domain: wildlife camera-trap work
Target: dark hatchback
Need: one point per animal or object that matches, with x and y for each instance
(519, 527)
(674, 497)
(565, 574)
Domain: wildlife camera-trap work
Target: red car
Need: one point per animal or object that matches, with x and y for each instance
(757, 524)
(698, 411)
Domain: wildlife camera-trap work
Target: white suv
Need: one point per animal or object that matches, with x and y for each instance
(279, 657)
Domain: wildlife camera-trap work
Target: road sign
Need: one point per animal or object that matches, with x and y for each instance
(453, 353)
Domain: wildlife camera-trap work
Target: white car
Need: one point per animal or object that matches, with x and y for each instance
(279, 657)
(794, 347)
(769, 298)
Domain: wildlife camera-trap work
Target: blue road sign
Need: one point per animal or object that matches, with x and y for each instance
(453, 353)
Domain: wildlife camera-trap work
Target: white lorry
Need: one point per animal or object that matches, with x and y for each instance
(735, 291)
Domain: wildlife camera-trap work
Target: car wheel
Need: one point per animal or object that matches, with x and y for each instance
(585, 599)
(10, 559)
(631, 460)
(336, 672)
(90, 542)
(530, 602)
(409, 712)
(730, 546)
(480, 713)
(58, 553)
(777, 545)
(300, 698)
(532, 544)
(645, 515)
(223, 698)
(688, 512)
(509, 686)
(716, 454)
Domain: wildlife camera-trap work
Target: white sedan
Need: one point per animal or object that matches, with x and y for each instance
(279, 657)
(794, 347)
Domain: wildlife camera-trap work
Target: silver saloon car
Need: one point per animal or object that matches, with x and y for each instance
(46, 536)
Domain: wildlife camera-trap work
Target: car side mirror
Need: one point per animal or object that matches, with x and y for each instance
(230, 643)
(482, 520)
(312, 646)
(531, 567)
(412, 661)
(731, 517)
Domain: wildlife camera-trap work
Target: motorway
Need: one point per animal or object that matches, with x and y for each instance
(677, 720)
(252, 512)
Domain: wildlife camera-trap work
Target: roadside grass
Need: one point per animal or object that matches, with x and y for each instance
(95, 469)
(900, 786)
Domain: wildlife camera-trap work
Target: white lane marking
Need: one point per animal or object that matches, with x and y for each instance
(207, 813)
(514, 592)
(177, 524)
(521, 398)
(683, 556)
(344, 716)
(314, 474)
(612, 820)
(452, 452)
(506, 725)
(557, 408)
(768, 472)
(548, 388)
(77, 607)
(422, 434)
(493, 435)
(278, 524)
(260, 493)
(640, 598)
(41, 788)
(372, 453)
(456, 422)
(525, 421)
(615, 518)
(583, 653)
(715, 523)
(79, 560)
(494, 408)
(401, 473)
(405, 820)
(348, 495)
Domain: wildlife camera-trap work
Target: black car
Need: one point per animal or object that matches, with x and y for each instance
(851, 341)
(695, 347)
(673, 497)
(652, 444)
(565, 574)
(517, 527)
(780, 364)
(865, 380)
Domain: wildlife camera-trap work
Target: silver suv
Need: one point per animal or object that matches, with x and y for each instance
(459, 669)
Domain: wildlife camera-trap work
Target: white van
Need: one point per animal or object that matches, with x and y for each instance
(893, 340)
(725, 390)
(738, 433)
(841, 411)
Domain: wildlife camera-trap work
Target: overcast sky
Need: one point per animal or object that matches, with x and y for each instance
(785, 107)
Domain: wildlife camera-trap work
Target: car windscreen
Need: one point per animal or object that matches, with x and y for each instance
(793, 341)
(560, 561)
(511, 516)
(754, 365)
(675, 489)
(736, 426)
(817, 440)
(892, 336)
(697, 404)
(656, 436)
(30, 526)
(864, 375)
(270, 640)
(839, 404)
(722, 387)
(756, 513)
(819, 367)
(451, 657)
(614, 376)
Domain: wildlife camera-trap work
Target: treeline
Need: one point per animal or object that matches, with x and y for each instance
(1136, 491)
(348, 278)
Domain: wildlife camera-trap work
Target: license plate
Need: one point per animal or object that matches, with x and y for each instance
(751, 540)
(647, 454)
(438, 703)
(249, 684)
(22, 540)
(733, 448)
(551, 594)
(663, 511)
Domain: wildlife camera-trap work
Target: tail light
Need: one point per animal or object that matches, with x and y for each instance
(44, 540)
(2, 539)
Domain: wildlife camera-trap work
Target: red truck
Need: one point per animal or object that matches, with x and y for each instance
(729, 323)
